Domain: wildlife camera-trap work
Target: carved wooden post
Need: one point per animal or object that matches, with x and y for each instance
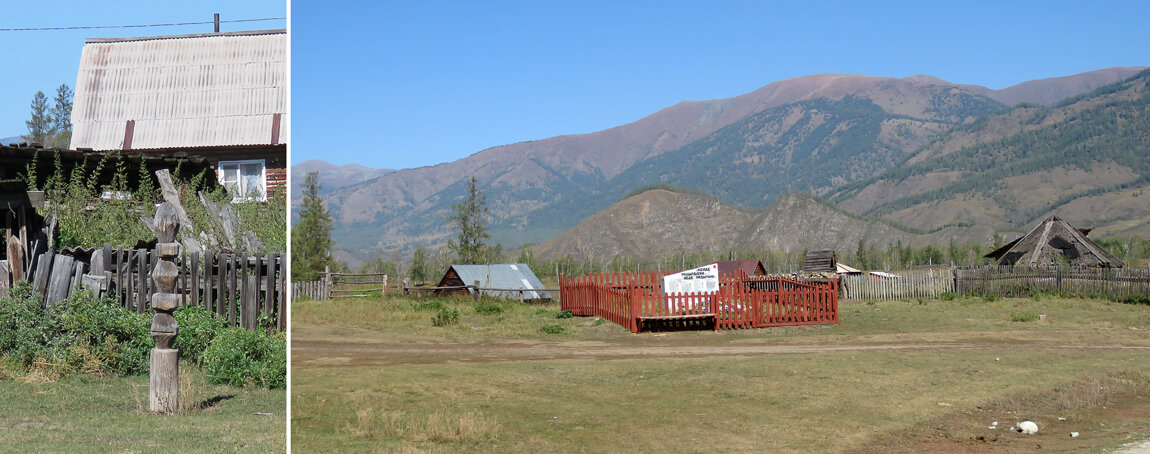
(165, 374)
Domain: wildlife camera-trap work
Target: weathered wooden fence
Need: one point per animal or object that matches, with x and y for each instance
(340, 285)
(1015, 281)
(1001, 281)
(241, 289)
(633, 299)
(929, 283)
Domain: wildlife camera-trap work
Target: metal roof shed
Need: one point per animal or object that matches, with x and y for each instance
(508, 278)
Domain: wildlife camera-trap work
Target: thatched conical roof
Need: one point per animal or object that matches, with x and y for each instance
(1055, 242)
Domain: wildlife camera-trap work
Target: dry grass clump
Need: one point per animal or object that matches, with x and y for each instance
(438, 427)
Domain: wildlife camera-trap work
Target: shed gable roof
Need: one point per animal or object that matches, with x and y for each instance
(184, 91)
(502, 276)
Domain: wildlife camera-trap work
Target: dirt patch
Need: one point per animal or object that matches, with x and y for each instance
(314, 347)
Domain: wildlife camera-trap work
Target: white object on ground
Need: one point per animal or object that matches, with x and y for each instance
(1073, 434)
(1028, 427)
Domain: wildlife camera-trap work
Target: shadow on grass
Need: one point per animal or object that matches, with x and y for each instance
(210, 403)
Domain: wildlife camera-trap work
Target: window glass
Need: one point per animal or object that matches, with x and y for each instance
(244, 180)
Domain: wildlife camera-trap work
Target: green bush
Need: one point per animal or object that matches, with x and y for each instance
(445, 317)
(552, 329)
(989, 298)
(488, 308)
(24, 329)
(871, 302)
(564, 314)
(947, 296)
(1023, 317)
(80, 334)
(197, 328)
(121, 336)
(1137, 299)
(239, 357)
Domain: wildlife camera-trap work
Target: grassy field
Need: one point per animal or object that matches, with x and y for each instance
(100, 414)
(375, 375)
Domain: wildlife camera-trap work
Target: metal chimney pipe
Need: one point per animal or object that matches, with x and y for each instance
(217, 22)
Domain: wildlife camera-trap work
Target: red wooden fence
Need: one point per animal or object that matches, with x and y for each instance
(630, 298)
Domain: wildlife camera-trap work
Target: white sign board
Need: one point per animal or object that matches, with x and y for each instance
(699, 281)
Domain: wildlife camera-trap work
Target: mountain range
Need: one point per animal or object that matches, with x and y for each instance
(876, 146)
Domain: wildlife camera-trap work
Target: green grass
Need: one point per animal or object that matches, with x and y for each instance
(93, 414)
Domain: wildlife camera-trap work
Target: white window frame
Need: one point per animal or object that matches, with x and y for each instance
(239, 196)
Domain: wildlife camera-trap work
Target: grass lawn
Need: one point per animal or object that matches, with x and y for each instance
(375, 375)
(95, 414)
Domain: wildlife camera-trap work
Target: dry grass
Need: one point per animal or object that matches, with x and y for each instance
(751, 403)
(439, 427)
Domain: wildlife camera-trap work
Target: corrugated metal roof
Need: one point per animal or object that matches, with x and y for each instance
(503, 276)
(182, 91)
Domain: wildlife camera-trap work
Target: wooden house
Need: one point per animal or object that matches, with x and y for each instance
(221, 97)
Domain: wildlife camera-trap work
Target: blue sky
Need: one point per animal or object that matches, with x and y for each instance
(408, 84)
(42, 60)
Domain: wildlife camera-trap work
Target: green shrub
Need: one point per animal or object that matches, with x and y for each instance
(24, 329)
(989, 298)
(871, 302)
(564, 314)
(1023, 317)
(445, 317)
(488, 308)
(552, 329)
(197, 328)
(1137, 299)
(947, 296)
(80, 334)
(120, 336)
(921, 302)
(239, 357)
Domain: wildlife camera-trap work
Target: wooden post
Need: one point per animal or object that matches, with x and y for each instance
(163, 390)
(383, 290)
(406, 287)
(475, 296)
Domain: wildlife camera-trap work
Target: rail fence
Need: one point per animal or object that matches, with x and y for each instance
(635, 300)
(246, 291)
(340, 285)
(1001, 281)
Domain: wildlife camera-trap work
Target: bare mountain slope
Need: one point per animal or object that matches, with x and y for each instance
(541, 188)
(660, 222)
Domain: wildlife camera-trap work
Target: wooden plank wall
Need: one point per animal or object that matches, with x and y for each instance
(242, 289)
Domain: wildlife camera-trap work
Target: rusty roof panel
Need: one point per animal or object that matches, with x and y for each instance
(184, 91)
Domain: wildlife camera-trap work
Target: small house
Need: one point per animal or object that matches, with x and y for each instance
(507, 281)
(218, 96)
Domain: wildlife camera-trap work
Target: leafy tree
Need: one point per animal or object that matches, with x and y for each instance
(419, 263)
(311, 237)
(41, 126)
(468, 218)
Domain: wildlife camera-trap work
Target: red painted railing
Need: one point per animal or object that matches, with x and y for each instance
(631, 298)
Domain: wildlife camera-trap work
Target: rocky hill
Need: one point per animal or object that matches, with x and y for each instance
(660, 222)
(331, 176)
